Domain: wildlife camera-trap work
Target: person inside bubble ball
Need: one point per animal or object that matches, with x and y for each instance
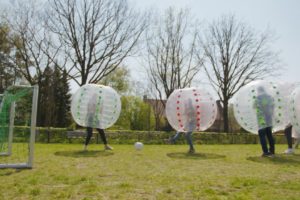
(264, 105)
(92, 120)
(297, 142)
(190, 125)
(288, 134)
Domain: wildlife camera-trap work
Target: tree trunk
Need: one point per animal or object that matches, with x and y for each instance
(225, 115)
(157, 123)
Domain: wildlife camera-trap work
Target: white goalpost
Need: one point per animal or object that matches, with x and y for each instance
(17, 149)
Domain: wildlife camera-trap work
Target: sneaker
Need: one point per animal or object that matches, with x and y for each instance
(267, 155)
(191, 151)
(272, 155)
(166, 141)
(169, 141)
(289, 151)
(85, 148)
(107, 147)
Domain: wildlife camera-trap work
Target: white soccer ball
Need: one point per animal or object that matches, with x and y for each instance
(138, 146)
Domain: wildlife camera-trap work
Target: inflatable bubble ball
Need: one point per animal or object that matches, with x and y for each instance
(191, 109)
(95, 106)
(258, 105)
(294, 111)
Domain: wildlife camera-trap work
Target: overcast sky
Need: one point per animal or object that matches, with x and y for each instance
(281, 16)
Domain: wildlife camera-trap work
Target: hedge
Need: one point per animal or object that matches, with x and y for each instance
(58, 135)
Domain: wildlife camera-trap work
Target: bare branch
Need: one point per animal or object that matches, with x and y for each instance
(171, 62)
(236, 55)
(29, 39)
(97, 35)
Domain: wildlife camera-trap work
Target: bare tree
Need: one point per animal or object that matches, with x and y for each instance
(171, 53)
(96, 35)
(32, 53)
(157, 105)
(235, 55)
(7, 70)
(30, 40)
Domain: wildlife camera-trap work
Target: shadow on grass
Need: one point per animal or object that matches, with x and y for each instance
(195, 156)
(80, 154)
(8, 172)
(293, 159)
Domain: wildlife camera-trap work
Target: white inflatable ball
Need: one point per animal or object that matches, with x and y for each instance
(258, 105)
(294, 110)
(191, 109)
(95, 106)
(138, 146)
(286, 89)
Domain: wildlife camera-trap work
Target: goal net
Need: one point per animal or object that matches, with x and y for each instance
(18, 109)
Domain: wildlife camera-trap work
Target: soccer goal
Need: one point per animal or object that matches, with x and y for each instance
(18, 110)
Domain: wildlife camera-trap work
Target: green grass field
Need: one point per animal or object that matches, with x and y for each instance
(63, 171)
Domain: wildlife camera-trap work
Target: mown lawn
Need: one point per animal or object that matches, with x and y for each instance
(63, 171)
